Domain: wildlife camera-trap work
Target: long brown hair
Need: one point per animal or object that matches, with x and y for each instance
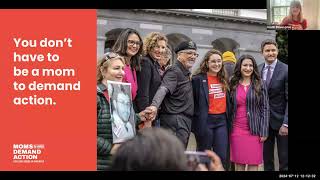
(255, 77)
(222, 75)
(121, 47)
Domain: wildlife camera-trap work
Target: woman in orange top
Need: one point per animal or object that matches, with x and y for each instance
(295, 18)
(210, 90)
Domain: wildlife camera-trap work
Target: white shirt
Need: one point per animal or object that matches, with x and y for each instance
(265, 69)
(119, 130)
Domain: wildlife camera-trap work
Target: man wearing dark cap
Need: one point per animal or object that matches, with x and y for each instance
(175, 93)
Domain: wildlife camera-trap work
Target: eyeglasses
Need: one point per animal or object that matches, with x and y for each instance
(131, 43)
(111, 55)
(190, 53)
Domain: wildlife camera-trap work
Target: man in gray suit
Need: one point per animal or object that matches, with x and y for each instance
(275, 75)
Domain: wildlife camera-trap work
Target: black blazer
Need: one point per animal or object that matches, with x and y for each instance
(278, 95)
(149, 80)
(201, 105)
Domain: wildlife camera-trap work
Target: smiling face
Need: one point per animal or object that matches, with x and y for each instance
(214, 64)
(133, 45)
(187, 57)
(270, 53)
(157, 51)
(295, 11)
(246, 68)
(114, 71)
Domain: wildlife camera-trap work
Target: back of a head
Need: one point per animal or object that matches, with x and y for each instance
(153, 149)
(229, 56)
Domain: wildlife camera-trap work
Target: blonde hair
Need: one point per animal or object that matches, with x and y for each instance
(104, 63)
(151, 41)
(298, 5)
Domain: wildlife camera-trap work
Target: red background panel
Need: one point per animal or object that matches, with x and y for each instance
(67, 129)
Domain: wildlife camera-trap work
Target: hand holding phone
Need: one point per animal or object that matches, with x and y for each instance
(197, 157)
(216, 164)
(208, 158)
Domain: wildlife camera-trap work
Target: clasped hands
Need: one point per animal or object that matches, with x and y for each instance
(149, 114)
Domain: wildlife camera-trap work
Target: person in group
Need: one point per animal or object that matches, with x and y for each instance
(149, 78)
(165, 61)
(229, 62)
(295, 18)
(250, 115)
(176, 93)
(110, 67)
(210, 91)
(156, 149)
(275, 74)
(129, 45)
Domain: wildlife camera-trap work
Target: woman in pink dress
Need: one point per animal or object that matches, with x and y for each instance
(250, 115)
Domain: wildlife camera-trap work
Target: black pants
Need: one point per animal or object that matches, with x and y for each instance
(216, 137)
(179, 124)
(268, 151)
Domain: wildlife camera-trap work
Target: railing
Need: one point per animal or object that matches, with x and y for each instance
(224, 12)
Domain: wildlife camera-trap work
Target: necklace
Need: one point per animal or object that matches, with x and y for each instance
(245, 85)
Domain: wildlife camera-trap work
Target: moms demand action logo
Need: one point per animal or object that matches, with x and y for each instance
(27, 153)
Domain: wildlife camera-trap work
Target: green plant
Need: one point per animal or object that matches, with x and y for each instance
(282, 40)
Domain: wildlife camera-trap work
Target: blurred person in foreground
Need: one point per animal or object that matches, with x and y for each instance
(156, 149)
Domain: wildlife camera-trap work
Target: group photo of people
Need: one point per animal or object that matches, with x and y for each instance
(158, 98)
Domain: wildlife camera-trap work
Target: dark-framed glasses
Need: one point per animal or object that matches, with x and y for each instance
(132, 42)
